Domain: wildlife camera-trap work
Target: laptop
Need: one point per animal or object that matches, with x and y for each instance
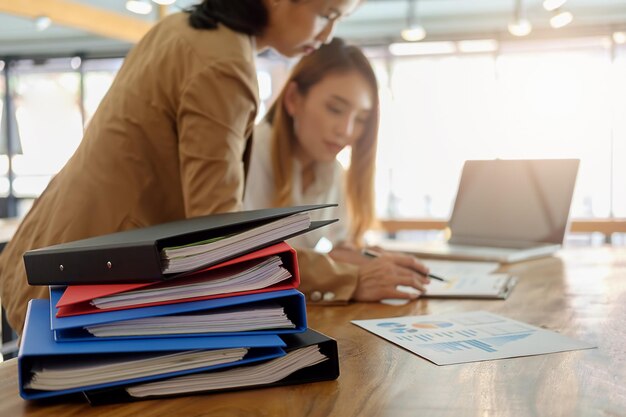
(505, 211)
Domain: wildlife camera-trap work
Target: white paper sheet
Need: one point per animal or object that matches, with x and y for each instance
(65, 374)
(247, 276)
(264, 373)
(495, 286)
(242, 319)
(188, 257)
(463, 280)
(468, 337)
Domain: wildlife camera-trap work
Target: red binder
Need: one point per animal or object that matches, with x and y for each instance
(76, 298)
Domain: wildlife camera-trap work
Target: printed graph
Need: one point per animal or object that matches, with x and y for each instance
(411, 335)
(432, 325)
(487, 345)
(468, 337)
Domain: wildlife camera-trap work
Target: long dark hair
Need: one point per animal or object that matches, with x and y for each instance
(246, 16)
(335, 57)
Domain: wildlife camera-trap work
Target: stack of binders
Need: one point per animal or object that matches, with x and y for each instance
(201, 305)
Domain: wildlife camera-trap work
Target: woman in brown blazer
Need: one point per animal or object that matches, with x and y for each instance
(169, 138)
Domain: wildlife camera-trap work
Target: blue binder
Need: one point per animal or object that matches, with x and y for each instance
(38, 345)
(67, 329)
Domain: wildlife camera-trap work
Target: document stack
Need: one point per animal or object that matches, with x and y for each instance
(221, 311)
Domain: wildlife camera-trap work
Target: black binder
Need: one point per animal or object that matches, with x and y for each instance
(134, 255)
(325, 371)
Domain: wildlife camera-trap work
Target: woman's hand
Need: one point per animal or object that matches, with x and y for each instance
(408, 261)
(379, 277)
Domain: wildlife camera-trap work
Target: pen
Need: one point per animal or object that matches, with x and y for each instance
(371, 254)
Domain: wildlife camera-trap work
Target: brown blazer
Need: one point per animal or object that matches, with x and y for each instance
(166, 143)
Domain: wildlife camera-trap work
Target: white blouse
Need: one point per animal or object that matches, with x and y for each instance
(327, 187)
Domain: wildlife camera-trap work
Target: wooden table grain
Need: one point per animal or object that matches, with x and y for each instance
(580, 293)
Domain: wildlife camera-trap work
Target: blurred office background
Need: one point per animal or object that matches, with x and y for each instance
(472, 79)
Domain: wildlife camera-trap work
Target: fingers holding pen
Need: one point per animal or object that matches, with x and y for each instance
(408, 261)
(380, 278)
(410, 278)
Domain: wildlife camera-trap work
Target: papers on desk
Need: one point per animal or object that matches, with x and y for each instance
(229, 320)
(496, 286)
(463, 280)
(192, 256)
(57, 374)
(265, 373)
(247, 276)
(468, 280)
(468, 337)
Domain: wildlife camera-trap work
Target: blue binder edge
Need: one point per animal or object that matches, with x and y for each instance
(38, 343)
(70, 329)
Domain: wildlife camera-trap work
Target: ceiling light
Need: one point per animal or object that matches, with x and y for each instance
(619, 37)
(75, 62)
(164, 2)
(562, 19)
(422, 48)
(520, 26)
(414, 34)
(550, 5)
(478, 45)
(42, 23)
(139, 7)
(414, 31)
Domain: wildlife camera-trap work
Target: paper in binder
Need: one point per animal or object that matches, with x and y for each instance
(311, 357)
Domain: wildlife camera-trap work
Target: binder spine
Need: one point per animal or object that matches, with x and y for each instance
(109, 265)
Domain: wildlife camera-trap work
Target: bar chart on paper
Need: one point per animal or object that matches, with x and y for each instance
(468, 337)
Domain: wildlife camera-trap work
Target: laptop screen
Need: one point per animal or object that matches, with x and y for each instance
(513, 202)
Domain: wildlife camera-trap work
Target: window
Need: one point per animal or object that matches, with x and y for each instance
(98, 77)
(46, 99)
(618, 142)
(52, 99)
(531, 100)
(272, 71)
(4, 160)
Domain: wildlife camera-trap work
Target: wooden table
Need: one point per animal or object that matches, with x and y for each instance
(581, 293)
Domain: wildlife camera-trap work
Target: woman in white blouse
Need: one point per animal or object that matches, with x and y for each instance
(329, 102)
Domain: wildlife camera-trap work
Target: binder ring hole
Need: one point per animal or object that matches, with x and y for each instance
(109, 265)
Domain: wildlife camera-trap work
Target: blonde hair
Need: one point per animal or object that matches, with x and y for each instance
(335, 57)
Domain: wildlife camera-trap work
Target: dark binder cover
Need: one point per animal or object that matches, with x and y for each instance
(38, 345)
(324, 371)
(134, 255)
(70, 329)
